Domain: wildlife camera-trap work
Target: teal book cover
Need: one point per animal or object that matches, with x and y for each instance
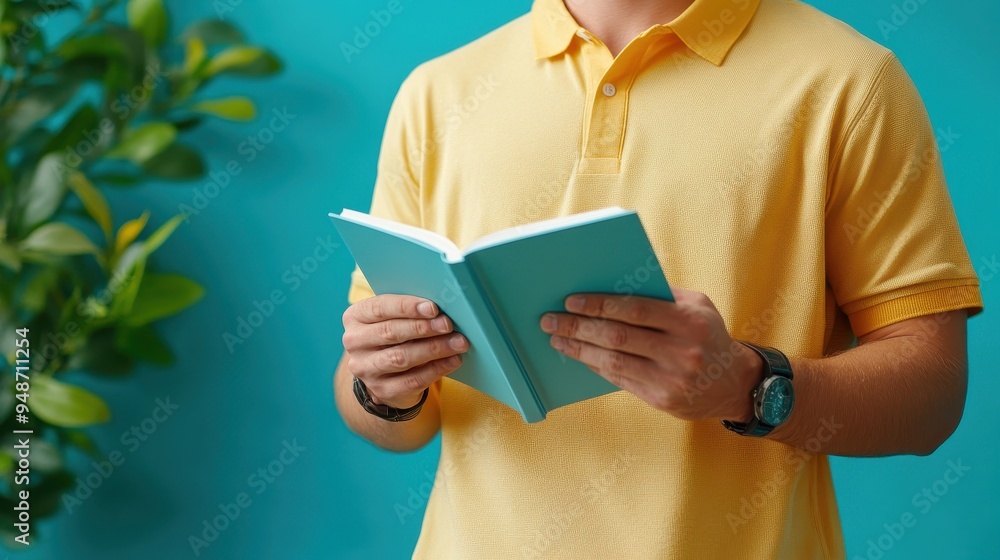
(496, 289)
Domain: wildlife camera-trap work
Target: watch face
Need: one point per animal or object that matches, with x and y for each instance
(776, 402)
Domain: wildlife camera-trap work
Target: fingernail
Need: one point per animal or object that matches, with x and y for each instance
(453, 361)
(575, 303)
(557, 342)
(426, 309)
(457, 342)
(440, 324)
(549, 322)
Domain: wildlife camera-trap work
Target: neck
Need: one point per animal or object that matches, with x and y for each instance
(616, 22)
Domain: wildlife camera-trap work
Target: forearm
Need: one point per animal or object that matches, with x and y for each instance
(898, 395)
(393, 436)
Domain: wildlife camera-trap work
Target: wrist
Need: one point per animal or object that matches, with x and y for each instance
(386, 411)
(400, 401)
(749, 369)
(773, 398)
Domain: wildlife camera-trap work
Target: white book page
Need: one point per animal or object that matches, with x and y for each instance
(429, 238)
(454, 254)
(527, 230)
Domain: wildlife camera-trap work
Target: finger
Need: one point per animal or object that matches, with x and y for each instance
(391, 306)
(617, 367)
(692, 298)
(394, 331)
(418, 378)
(635, 386)
(402, 357)
(634, 310)
(606, 333)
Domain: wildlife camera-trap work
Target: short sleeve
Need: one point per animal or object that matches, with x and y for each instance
(397, 192)
(894, 250)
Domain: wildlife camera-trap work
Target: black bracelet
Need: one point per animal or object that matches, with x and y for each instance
(385, 411)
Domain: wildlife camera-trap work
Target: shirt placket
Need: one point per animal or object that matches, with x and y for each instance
(609, 85)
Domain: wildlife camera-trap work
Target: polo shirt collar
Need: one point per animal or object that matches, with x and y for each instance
(710, 28)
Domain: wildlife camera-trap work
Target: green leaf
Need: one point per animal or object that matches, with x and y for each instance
(144, 142)
(131, 266)
(244, 61)
(212, 32)
(126, 73)
(188, 123)
(264, 66)
(95, 311)
(117, 179)
(135, 257)
(162, 295)
(159, 236)
(233, 57)
(194, 55)
(37, 104)
(177, 161)
(130, 269)
(3, 44)
(65, 405)
(22, 9)
(129, 231)
(45, 192)
(7, 334)
(86, 68)
(46, 497)
(32, 145)
(142, 343)
(93, 201)
(92, 45)
(82, 441)
(9, 257)
(44, 456)
(36, 291)
(70, 312)
(25, 38)
(7, 399)
(78, 133)
(236, 108)
(148, 18)
(101, 355)
(118, 79)
(57, 238)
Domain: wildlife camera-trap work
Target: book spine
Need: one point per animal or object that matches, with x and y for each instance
(515, 373)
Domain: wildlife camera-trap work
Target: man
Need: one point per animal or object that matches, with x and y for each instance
(787, 176)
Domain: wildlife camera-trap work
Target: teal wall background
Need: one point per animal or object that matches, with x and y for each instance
(336, 497)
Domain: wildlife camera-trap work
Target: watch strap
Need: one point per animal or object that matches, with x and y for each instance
(385, 411)
(775, 360)
(754, 427)
(775, 363)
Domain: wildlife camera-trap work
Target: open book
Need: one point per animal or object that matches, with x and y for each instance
(498, 287)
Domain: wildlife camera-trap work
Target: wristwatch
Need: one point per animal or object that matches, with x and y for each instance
(385, 411)
(772, 399)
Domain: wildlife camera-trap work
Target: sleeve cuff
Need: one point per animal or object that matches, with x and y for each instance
(908, 306)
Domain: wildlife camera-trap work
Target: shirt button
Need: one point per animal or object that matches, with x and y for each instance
(609, 90)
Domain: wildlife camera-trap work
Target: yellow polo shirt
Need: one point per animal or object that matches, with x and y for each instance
(781, 163)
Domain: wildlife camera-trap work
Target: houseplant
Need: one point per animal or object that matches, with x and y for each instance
(91, 98)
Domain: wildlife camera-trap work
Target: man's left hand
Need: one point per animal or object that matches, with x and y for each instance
(676, 356)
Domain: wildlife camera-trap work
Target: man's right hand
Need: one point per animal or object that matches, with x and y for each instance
(400, 345)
